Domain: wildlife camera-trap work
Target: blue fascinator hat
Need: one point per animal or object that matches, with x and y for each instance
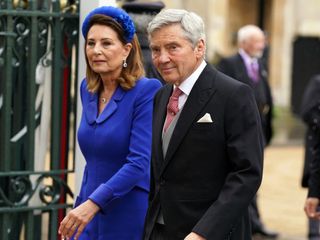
(119, 15)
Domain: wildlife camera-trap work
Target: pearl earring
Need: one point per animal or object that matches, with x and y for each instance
(124, 64)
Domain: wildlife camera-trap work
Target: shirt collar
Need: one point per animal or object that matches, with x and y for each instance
(187, 84)
(246, 58)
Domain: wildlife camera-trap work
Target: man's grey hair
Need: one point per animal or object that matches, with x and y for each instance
(247, 32)
(191, 24)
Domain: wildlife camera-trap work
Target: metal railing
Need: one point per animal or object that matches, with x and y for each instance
(38, 52)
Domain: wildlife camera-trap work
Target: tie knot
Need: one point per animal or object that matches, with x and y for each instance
(173, 101)
(172, 107)
(176, 92)
(254, 65)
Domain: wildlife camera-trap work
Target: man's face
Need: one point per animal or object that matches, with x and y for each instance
(254, 45)
(173, 55)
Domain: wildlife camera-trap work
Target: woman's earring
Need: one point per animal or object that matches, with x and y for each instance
(124, 64)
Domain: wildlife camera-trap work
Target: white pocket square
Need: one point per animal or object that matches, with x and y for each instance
(205, 119)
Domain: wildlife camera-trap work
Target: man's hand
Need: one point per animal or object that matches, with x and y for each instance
(194, 236)
(77, 219)
(310, 207)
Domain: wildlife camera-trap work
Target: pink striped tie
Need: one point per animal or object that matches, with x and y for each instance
(172, 107)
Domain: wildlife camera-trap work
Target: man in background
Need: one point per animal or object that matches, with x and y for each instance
(247, 67)
(310, 113)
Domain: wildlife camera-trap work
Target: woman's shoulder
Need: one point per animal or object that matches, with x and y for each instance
(146, 88)
(148, 82)
(83, 85)
(147, 85)
(84, 92)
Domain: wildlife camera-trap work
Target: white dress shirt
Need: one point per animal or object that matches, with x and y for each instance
(187, 84)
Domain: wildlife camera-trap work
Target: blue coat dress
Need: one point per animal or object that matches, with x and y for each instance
(116, 145)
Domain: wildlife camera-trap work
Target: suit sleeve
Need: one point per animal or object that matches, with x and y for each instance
(244, 147)
(314, 179)
(310, 113)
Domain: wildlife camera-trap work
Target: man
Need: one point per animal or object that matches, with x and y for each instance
(310, 113)
(207, 149)
(246, 66)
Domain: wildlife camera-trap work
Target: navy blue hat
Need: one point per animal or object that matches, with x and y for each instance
(118, 15)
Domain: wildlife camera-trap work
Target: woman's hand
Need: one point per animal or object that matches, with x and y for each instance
(77, 219)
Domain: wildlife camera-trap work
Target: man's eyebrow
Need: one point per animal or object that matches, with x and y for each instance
(153, 46)
(166, 44)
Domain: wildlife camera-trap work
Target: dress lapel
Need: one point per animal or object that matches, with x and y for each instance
(91, 111)
(200, 94)
(92, 107)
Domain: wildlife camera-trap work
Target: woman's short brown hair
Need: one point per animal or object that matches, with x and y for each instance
(134, 69)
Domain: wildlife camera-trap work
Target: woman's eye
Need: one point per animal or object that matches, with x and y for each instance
(105, 44)
(90, 44)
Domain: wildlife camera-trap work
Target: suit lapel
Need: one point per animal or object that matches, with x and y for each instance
(263, 71)
(201, 92)
(243, 73)
(159, 118)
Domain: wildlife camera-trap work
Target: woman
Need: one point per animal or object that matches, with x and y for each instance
(114, 133)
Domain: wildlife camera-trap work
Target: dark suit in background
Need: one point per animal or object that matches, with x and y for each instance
(203, 183)
(235, 67)
(310, 114)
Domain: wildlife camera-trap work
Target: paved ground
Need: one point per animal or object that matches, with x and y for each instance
(281, 198)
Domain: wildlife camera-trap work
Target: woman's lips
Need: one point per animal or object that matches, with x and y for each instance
(99, 61)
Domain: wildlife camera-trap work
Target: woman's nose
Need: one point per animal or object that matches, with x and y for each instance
(97, 49)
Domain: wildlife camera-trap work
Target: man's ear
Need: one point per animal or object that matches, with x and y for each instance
(200, 48)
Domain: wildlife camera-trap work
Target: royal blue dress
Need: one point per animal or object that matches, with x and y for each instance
(116, 145)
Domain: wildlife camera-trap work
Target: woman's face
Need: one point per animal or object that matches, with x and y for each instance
(104, 50)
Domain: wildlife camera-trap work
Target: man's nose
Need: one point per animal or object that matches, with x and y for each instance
(164, 57)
